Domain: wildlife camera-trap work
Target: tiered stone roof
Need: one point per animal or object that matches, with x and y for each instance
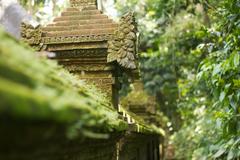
(89, 44)
(82, 22)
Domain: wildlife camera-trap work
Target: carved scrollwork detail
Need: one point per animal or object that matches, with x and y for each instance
(79, 53)
(123, 46)
(79, 67)
(31, 34)
(77, 39)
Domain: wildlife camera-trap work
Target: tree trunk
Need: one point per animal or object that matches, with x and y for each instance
(54, 5)
(30, 7)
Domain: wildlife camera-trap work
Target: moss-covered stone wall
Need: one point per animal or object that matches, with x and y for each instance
(46, 113)
(24, 140)
(46, 140)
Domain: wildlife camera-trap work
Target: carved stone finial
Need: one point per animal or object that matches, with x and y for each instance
(30, 33)
(83, 3)
(123, 46)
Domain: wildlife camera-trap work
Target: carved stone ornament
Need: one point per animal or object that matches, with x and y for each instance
(123, 46)
(31, 33)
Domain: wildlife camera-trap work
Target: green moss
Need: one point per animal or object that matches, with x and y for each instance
(34, 88)
(38, 89)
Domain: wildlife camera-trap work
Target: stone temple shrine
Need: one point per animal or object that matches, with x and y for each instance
(97, 50)
(89, 44)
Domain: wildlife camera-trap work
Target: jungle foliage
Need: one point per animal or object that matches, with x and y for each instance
(190, 60)
(43, 10)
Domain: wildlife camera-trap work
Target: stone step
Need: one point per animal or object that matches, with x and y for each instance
(81, 17)
(73, 46)
(82, 22)
(72, 9)
(81, 32)
(77, 12)
(70, 28)
(88, 8)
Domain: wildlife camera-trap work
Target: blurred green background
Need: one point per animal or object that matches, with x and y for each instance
(189, 59)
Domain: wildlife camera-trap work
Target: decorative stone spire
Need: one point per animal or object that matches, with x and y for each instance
(123, 47)
(83, 3)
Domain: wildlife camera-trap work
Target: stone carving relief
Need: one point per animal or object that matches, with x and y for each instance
(80, 53)
(32, 34)
(81, 67)
(75, 39)
(123, 46)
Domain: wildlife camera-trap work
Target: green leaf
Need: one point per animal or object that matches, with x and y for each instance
(222, 96)
(220, 152)
(217, 69)
(230, 155)
(236, 59)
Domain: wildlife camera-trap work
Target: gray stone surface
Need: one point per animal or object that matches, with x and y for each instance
(11, 16)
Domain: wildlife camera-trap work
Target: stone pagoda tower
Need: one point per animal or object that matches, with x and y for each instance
(89, 44)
